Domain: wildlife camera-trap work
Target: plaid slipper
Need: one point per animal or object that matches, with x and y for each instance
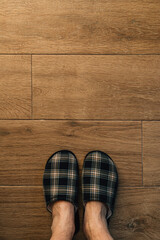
(99, 180)
(60, 180)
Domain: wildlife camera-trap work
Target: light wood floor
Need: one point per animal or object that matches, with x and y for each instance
(79, 75)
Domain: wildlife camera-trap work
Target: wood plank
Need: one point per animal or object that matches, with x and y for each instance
(26, 145)
(15, 87)
(137, 214)
(96, 87)
(151, 153)
(23, 214)
(62, 26)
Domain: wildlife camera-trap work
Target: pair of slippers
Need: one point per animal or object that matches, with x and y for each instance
(99, 180)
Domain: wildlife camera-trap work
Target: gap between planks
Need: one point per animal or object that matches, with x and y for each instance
(78, 54)
(78, 119)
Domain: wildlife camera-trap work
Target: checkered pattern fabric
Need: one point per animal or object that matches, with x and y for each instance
(99, 180)
(60, 179)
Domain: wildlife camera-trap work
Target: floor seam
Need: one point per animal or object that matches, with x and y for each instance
(31, 91)
(142, 151)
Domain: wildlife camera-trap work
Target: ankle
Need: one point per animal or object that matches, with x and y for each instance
(63, 226)
(96, 231)
(95, 212)
(95, 225)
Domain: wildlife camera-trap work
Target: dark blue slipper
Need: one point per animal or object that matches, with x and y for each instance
(60, 181)
(99, 180)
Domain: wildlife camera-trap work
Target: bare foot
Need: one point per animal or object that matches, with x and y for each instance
(63, 226)
(95, 225)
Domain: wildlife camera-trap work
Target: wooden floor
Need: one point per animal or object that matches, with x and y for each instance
(79, 75)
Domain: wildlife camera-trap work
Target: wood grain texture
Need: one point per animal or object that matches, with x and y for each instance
(62, 26)
(96, 87)
(137, 214)
(23, 214)
(15, 87)
(27, 145)
(151, 153)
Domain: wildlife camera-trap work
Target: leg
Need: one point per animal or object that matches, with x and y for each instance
(95, 225)
(60, 181)
(63, 226)
(99, 184)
